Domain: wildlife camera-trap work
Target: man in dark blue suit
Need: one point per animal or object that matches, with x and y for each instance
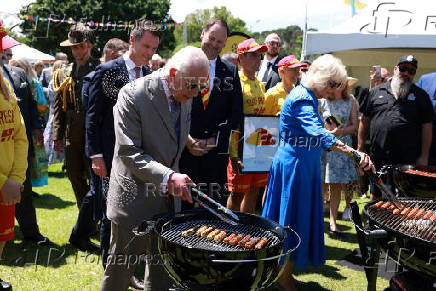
(109, 78)
(215, 113)
(427, 82)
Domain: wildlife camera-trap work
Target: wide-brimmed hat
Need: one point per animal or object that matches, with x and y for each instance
(78, 33)
(251, 46)
(352, 81)
(291, 62)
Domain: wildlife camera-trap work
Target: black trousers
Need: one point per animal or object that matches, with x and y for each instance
(25, 210)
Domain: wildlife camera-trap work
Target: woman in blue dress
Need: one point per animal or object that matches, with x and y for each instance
(294, 187)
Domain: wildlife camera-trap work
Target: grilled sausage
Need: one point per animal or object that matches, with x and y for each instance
(212, 235)
(392, 207)
(252, 243)
(396, 211)
(420, 213)
(236, 239)
(427, 215)
(405, 211)
(386, 205)
(229, 238)
(219, 237)
(379, 204)
(412, 213)
(242, 242)
(207, 231)
(261, 244)
(189, 231)
(201, 229)
(433, 217)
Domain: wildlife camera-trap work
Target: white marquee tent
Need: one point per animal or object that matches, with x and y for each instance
(379, 35)
(32, 54)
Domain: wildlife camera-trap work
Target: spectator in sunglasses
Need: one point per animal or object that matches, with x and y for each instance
(8, 55)
(268, 72)
(400, 116)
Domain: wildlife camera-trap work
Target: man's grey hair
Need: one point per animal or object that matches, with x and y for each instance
(185, 58)
(323, 69)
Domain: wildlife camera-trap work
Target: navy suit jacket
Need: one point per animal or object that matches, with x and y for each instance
(26, 102)
(107, 81)
(274, 76)
(224, 110)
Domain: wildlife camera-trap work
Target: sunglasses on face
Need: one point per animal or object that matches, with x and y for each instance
(9, 55)
(304, 70)
(274, 43)
(193, 85)
(334, 84)
(411, 71)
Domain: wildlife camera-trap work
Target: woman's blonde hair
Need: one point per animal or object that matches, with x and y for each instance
(30, 72)
(322, 70)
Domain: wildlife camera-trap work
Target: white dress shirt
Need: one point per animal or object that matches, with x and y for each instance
(263, 67)
(131, 67)
(212, 66)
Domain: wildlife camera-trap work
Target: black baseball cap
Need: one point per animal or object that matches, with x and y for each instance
(408, 59)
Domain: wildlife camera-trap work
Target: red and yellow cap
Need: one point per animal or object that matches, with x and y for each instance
(6, 41)
(291, 62)
(251, 46)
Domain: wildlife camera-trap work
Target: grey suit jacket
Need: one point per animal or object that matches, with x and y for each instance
(146, 149)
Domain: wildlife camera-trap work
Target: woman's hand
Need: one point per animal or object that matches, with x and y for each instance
(365, 163)
(337, 131)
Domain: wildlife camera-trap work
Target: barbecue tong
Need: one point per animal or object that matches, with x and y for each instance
(234, 218)
(377, 181)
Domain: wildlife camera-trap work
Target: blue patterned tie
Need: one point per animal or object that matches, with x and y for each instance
(175, 116)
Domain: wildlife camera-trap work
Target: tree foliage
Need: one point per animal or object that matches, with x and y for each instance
(46, 36)
(196, 20)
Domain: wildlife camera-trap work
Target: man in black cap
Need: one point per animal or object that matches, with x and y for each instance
(397, 116)
(69, 120)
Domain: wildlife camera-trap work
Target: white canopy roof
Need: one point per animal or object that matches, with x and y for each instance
(32, 54)
(382, 24)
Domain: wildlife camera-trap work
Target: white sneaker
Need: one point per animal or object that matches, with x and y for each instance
(347, 214)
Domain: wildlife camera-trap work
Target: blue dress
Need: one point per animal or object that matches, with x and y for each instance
(294, 186)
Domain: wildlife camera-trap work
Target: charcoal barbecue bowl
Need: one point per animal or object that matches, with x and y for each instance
(411, 185)
(199, 269)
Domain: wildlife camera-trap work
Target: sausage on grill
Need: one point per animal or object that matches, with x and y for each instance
(242, 242)
(262, 243)
(392, 207)
(236, 239)
(412, 213)
(405, 211)
(252, 243)
(386, 205)
(207, 231)
(379, 204)
(229, 238)
(427, 215)
(219, 237)
(420, 213)
(201, 229)
(433, 217)
(189, 231)
(396, 211)
(212, 235)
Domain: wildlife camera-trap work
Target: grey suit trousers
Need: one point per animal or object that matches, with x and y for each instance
(125, 252)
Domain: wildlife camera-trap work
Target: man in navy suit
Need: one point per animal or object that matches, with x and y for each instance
(427, 82)
(216, 111)
(269, 72)
(109, 78)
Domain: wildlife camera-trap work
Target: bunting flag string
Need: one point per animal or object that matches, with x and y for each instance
(120, 24)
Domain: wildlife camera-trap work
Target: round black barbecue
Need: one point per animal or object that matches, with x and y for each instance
(412, 184)
(196, 263)
(410, 242)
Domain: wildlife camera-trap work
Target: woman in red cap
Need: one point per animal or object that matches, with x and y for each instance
(13, 156)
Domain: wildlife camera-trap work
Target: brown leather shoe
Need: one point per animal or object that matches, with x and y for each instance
(137, 284)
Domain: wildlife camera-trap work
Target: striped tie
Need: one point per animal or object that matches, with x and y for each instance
(205, 94)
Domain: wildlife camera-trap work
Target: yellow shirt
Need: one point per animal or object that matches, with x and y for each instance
(253, 99)
(13, 142)
(274, 99)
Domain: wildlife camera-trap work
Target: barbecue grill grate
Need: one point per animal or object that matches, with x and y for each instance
(418, 228)
(173, 233)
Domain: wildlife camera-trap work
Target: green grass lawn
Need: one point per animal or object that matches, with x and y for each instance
(62, 267)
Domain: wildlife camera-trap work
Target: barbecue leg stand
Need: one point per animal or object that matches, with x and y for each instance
(370, 261)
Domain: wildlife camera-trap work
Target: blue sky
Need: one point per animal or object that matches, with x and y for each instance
(258, 14)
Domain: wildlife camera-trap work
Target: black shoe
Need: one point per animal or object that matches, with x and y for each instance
(137, 284)
(5, 286)
(85, 245)
(35, 195)
(38, 238)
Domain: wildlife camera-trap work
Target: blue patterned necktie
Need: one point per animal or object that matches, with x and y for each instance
(175, 116)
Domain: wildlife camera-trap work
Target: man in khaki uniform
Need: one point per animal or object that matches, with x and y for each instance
(69, 118)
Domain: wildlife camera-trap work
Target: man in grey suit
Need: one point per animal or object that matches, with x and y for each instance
(47, 73)
(151, 122)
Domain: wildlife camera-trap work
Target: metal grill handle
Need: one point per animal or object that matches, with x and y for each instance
(287, 228)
